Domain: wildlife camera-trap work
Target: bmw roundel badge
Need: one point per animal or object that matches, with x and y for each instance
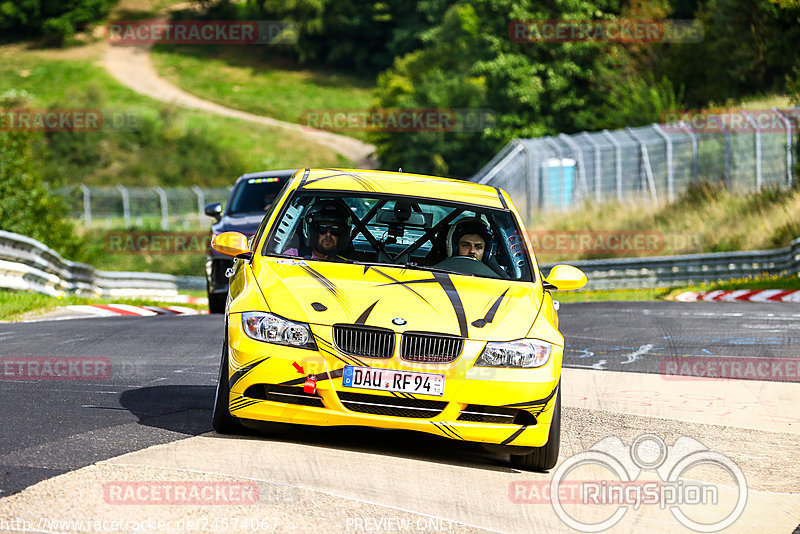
(398, 321)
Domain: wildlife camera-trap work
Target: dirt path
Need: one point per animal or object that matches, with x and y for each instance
(132, 67)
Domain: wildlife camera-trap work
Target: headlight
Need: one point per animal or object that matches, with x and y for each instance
(272, 328)
(520, 353)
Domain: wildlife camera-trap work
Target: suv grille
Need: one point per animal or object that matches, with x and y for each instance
(364, 341)
(393, 406)
(428, 347)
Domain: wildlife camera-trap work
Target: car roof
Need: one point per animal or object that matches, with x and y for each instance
(401, 183)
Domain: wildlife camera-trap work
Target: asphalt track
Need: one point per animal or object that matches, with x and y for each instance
(161, 385)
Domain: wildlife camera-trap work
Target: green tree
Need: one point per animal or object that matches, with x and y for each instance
(53, 19)
(28, 206)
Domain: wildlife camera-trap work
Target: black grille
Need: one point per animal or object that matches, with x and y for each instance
(393, 406)
(286, 394)
(364, 341)
(428, 347)
(478, 413)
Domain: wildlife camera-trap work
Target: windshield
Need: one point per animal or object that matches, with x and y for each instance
(402, 231)
(254, 195)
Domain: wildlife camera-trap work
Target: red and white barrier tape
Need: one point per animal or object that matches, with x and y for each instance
(742, 295)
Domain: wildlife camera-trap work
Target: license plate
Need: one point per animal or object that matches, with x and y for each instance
(393, 380)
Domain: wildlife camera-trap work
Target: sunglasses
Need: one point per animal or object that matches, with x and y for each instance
(324, 228)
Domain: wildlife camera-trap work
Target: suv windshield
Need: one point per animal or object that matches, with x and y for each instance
(402, 231)
(254, 195)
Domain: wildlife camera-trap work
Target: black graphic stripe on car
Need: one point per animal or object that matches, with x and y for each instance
(540, 402)
(514, 436)
(402, 284)
(362, 319)
(447, 284)
(238, 375)
(489, 317)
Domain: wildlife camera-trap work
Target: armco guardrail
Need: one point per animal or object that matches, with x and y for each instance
(672, 271)
(27, 264)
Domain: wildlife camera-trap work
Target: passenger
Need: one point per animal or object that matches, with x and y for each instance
(326, 229)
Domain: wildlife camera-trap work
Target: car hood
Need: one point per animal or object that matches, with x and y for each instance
(399, 299)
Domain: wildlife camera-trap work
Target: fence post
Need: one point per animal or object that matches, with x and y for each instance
(87, 206)
(126, 205)
(670, 166)
(754, 124)
(727, 150)
(789, 146)
(581, 167)
(164, 214)
(597, 177)
(201, 201)
(618, 157)
(648, 170)
(695, 151)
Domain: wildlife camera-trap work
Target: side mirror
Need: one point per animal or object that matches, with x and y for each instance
(565, 278)
(214, 210)
(232, 244)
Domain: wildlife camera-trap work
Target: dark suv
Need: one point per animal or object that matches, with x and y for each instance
(250, 199)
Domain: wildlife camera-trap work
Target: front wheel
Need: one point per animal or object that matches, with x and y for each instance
(221, 419)
(546, 457)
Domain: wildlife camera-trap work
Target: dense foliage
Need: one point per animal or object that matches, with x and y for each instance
(457, 53)
(53, 19)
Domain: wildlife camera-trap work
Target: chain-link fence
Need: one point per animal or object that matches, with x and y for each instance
(746, 150)
(142, 207)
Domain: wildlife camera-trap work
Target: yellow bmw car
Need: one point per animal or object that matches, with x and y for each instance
(394, 300)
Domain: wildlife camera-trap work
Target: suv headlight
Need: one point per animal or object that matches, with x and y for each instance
(525, 353)
(272, 328)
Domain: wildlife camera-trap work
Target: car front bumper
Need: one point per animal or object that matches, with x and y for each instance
(267, 385)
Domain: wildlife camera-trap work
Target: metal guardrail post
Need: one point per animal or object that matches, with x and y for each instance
(789, 146)
(164, 213)
(201, 201)
(754, 124)
(618, 151)
(87, 205)
(597, 177)
(670, 163)
(727, 149)
(126, 205)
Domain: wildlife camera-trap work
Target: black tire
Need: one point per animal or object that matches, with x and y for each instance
(546, 457)
(216, 302)
(221, 419)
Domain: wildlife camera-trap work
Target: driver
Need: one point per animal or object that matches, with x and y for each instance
(326, 229)
(471, 237)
